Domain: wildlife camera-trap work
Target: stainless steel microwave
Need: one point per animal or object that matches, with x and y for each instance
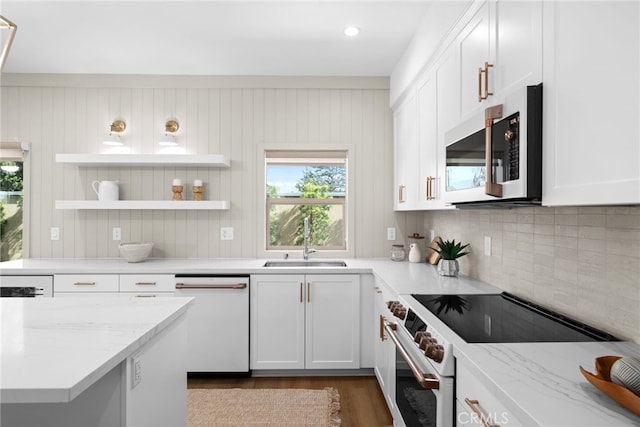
(496, 160)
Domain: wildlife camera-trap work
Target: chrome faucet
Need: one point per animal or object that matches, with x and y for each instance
(306, 250)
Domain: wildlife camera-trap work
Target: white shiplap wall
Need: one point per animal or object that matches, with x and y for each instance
(235, 117)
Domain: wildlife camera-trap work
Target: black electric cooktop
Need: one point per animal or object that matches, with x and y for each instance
(505, 318)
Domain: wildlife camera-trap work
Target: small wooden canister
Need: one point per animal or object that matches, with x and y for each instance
(177, 192)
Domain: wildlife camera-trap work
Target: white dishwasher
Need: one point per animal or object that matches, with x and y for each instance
(218, 323)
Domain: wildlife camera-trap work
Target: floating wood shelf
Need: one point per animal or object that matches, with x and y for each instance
(145, 160)
(144, 204)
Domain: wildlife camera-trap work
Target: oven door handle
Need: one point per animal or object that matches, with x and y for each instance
(426, 381)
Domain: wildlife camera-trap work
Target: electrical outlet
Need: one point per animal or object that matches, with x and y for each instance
(226, 233)
(487, 245)
(432, 235)
(117, 233)
(55, 233)
(136, 371)
(391, 233)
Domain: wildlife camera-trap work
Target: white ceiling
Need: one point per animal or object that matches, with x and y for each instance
(231, 37)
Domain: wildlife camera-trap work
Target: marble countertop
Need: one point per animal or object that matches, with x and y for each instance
(55, 348)
(404, 277)
(541, 384)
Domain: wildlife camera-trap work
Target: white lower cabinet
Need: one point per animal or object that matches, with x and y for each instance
(67, 285)
(384, 349)
(476, 405)
(305, 321)
(123, 285)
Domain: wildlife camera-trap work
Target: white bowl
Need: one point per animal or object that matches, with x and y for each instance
(135, 252)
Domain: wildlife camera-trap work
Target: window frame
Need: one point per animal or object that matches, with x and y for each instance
(307, 157)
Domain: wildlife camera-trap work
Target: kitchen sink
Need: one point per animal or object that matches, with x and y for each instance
(307, 263)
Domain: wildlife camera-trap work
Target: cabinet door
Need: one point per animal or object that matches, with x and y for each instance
(428, 141)
(85, 283)
(333, 322)
(475, 400)
(591, 104)
(518, 46)
(384, 349)
(474, 50)
(277, 321)
(405, 154)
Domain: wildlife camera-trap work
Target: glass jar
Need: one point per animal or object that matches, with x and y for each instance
(398, 253)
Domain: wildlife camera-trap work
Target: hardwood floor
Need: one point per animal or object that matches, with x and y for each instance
(361, 401)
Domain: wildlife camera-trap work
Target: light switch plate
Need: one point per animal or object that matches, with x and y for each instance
(487, 245)
(391, 233)
(226, 233)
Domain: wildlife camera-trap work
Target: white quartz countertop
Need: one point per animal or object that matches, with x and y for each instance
(404, 277)
(542, 385)
(55, 348)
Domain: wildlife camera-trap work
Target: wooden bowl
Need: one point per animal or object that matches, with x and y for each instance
(602, 381)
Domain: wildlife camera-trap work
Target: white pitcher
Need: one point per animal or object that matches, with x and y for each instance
(106, 190)
(414, 253)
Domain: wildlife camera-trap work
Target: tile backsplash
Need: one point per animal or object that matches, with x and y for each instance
(583, 262)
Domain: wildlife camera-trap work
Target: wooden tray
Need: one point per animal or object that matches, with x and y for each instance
(602, 381)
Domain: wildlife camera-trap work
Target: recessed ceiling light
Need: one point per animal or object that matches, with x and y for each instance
(351, 31)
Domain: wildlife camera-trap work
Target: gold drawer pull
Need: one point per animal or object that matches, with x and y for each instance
(473, 404)
(84, 284)
(401, 189)
(145, 283)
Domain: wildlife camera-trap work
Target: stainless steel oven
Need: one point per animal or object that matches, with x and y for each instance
(26, 286)
(424, 394)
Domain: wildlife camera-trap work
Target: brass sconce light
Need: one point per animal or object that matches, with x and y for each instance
(169, 138)
(5, 24)
(113, 138)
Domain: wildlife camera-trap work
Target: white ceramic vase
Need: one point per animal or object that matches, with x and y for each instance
(414, 253)
(448, 267)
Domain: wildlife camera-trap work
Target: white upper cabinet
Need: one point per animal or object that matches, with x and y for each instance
(474, 47)
(591, 103)
(405, 122)
(500, 49)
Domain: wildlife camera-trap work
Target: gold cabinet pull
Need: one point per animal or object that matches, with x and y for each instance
(145, 283)
(484, 71)
(84, 284)
(473, 404)
(308, 291)
(429, 191)
(401, 194)
(480, 85)
(486, 80)
(301, 285)
(382, 320)
(219, 286)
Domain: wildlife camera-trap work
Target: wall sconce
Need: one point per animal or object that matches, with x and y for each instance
(8, 25)
(169, 138)
(117, 127)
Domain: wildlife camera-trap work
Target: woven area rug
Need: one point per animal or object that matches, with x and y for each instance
(263, 407)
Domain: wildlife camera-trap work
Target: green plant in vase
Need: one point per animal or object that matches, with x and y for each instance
(450, 251)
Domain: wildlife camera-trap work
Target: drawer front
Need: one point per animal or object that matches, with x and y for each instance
(85, 283)
(147, 283)
(475, 402)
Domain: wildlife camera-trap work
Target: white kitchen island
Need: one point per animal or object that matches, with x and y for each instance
(71, 362)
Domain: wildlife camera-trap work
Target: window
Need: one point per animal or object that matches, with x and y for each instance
(11, 201)
(302, 184)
